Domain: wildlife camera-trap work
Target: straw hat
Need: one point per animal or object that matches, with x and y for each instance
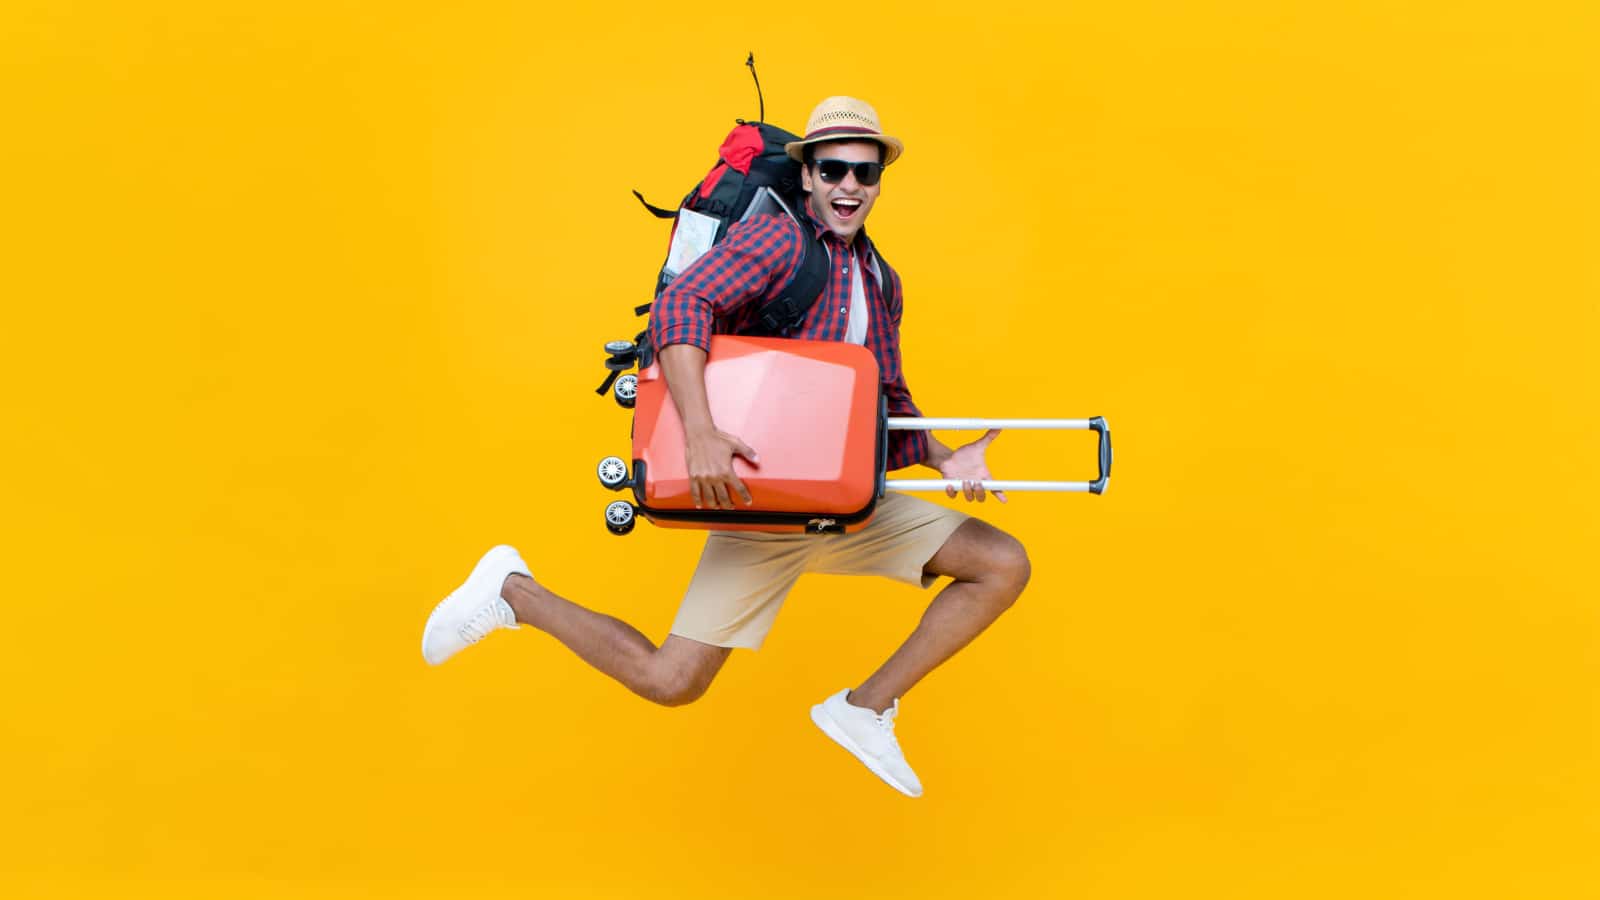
(844, 119)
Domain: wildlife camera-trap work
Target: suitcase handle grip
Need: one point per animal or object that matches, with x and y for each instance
(1098, 486)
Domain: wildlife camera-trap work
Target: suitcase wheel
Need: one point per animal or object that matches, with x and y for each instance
(613, 472)
(626, 390)
(619, 348)
(619, 517)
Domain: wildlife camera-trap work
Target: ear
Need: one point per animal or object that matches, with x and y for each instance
(805, 178)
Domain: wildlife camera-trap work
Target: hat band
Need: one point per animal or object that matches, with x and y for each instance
(842, 129)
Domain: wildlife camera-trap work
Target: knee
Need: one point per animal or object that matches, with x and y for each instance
(674, 687)
(1008, 561)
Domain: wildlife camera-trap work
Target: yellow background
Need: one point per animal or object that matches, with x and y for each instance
(303, 311)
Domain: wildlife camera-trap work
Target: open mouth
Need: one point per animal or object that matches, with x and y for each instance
(845, 209)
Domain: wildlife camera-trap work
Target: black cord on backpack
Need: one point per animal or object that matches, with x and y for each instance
(751, 62)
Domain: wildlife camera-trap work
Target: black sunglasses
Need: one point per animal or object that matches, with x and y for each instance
(831, 171)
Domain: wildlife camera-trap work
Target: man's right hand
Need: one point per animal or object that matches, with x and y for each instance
(709, 454)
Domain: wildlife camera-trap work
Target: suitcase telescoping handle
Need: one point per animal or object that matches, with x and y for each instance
(1096, 424)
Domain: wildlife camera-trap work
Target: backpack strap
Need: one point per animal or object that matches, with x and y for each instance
(784, 314)
(654, 210)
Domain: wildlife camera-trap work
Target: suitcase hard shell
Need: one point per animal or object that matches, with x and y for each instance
(812, 410)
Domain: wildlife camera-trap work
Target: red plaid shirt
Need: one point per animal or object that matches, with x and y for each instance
(757, 257)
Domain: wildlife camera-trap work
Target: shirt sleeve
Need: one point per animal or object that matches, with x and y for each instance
(906, 448)
(755, 257)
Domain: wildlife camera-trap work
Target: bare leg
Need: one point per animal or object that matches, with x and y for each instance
(677, 672)
(990, 569)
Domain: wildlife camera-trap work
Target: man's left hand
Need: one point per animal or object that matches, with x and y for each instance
(968, 466)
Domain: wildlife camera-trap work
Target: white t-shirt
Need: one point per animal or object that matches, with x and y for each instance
(856, 331)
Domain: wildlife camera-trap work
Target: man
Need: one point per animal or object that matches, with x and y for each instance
(741, 580)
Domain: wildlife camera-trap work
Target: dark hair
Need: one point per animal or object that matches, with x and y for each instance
(809, 151)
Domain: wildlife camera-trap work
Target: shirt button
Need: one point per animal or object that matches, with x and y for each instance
(845, 270)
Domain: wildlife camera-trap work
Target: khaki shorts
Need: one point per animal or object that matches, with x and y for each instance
(743, 576)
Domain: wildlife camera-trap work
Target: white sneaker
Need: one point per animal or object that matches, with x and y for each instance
(870, 737)
(474, 609)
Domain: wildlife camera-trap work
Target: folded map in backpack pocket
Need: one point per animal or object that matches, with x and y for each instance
(691, 238)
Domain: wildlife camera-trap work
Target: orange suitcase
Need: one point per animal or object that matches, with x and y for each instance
(815, 414)
(812, 410)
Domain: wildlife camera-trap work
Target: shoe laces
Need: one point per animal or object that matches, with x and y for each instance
(885, 723)
(484, 621)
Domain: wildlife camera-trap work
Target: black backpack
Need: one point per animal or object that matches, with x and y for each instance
(753, 176)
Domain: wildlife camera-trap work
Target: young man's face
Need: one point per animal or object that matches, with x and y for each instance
(841, 207)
